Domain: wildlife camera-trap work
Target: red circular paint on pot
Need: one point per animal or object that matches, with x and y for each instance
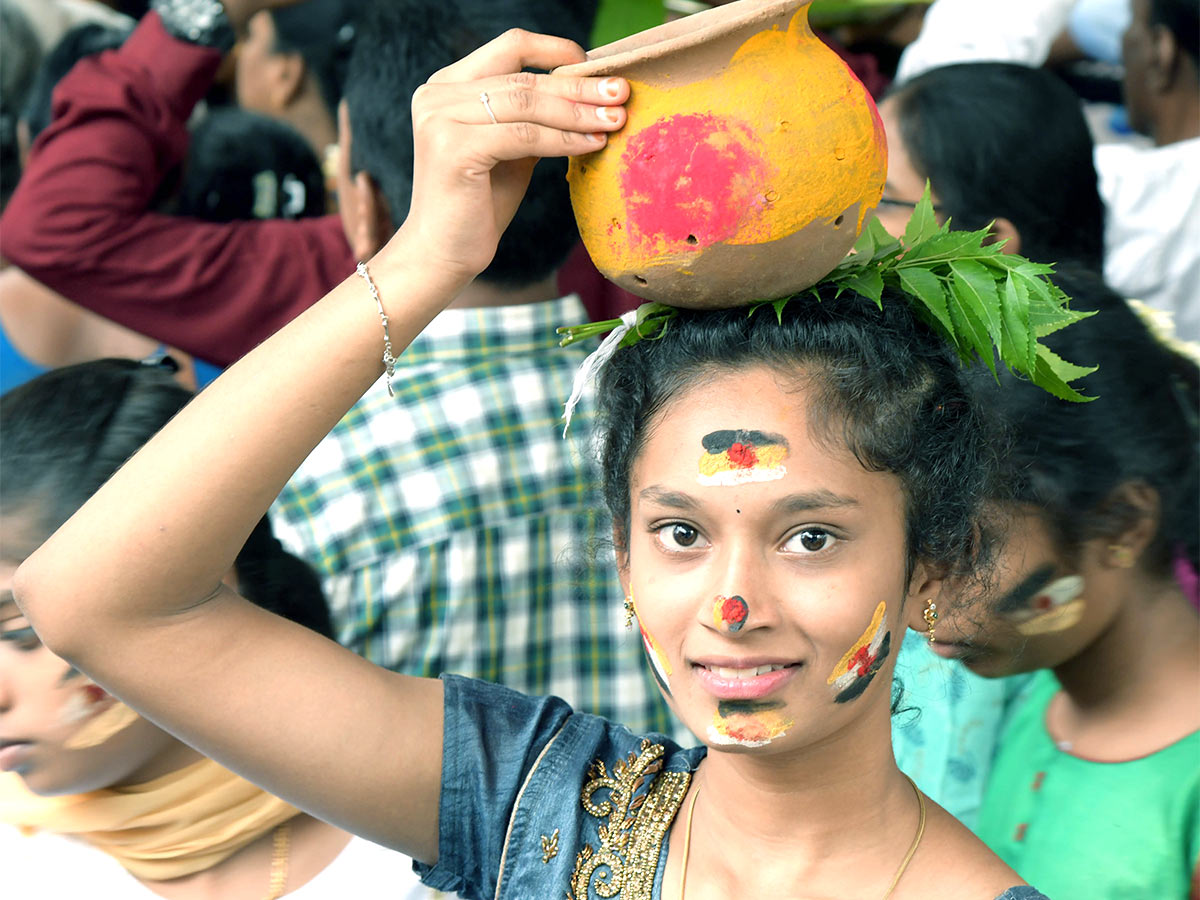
(690, 180)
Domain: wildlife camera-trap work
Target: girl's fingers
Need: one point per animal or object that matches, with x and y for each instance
(511, 141)
(512, 51)
(522, 98)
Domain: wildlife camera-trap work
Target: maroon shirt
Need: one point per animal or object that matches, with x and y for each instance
(80, 223)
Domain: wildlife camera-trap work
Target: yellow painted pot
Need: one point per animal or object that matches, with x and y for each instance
(750, 159)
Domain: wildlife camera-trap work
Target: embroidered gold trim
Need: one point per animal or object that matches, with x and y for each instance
(631, 841)
(549, 846)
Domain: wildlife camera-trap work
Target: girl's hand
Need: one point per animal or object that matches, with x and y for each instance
(470, 173)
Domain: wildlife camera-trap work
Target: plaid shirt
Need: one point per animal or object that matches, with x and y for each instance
(455, 530)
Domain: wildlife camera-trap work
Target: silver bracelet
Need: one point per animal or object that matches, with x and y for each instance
(389, 361)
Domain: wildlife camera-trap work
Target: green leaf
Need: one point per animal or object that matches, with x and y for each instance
(779, 305)
(1046, 318)
(977, 289)
(945, 246)
(1052, 373)
(867, 282)
(927, 287)
(1019, 348)
(922, 224)
(971, 330)
(872, 235)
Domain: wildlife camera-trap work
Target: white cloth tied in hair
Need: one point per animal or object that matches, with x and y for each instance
(589, 367)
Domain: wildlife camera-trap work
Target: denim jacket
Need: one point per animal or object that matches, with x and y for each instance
(540, 803)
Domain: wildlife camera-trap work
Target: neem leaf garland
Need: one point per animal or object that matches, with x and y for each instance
(978, 298)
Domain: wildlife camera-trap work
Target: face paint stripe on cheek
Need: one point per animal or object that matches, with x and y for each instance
(1057, 607)
(856, 669)
(659, 664)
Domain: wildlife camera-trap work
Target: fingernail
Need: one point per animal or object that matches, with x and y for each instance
(610, 87)
(595, 138)
(607, 114)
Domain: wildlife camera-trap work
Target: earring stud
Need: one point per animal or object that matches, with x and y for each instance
(931, 616)
(1122, 556)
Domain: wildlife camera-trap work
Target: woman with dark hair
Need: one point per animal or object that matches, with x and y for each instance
(111, 804)
(1095, 787)
(788, 495)
(1002, 145)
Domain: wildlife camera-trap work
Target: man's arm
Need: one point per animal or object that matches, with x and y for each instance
(80, 222)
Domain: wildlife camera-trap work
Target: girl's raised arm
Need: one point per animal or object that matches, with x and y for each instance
(129, 589)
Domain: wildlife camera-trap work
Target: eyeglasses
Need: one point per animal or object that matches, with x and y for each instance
(680, 8)
(885, 200)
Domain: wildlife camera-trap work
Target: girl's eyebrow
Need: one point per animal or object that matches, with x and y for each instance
(810, 500)
(792, 503)
(672, 499)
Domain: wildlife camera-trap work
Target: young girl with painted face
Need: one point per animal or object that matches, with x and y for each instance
(94, 799)
(1095, 788)
(786, 499)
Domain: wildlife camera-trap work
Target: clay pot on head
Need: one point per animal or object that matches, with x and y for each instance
(749, 162)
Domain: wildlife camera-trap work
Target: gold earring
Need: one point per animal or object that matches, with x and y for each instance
(629, 611)
(931, 616)
(1122, 556)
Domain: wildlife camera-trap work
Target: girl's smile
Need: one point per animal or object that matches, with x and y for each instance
(767, 596)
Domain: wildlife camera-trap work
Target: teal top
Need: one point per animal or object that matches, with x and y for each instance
(948, 725)
(1096, 830)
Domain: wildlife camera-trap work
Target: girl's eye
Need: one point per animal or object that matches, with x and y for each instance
(809, 540)
(22, 638)
(678, 536)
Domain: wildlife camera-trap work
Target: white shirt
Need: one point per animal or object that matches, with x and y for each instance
(1152, 233)
(960, 31)
(49, 866)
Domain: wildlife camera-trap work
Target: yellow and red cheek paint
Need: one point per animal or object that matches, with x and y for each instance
(1056, 607)
(738, 456)
(748, 723)
(861, 663)
(659, 664)
(730, 613)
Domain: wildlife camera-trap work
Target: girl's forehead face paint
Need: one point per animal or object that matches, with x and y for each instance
(736, 456)
(730, 613)
(748, 723)
(860, 664)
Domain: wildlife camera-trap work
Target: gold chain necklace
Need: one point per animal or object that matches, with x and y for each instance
(687, 840)
(281, 849)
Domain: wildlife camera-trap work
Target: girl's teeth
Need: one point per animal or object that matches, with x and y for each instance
(744, 673)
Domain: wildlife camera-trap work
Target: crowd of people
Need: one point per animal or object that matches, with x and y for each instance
(280, 619)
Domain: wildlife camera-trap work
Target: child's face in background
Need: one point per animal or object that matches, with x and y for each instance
(44, 702)
(767, 568)
(1042, 610)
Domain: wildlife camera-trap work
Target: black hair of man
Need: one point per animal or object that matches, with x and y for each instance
(241, 165)
(400, 43)
(322, 32)
(20, 57)
(1182, 19)
(998, 140)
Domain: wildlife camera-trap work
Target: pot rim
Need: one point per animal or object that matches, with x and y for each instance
(682, 34)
